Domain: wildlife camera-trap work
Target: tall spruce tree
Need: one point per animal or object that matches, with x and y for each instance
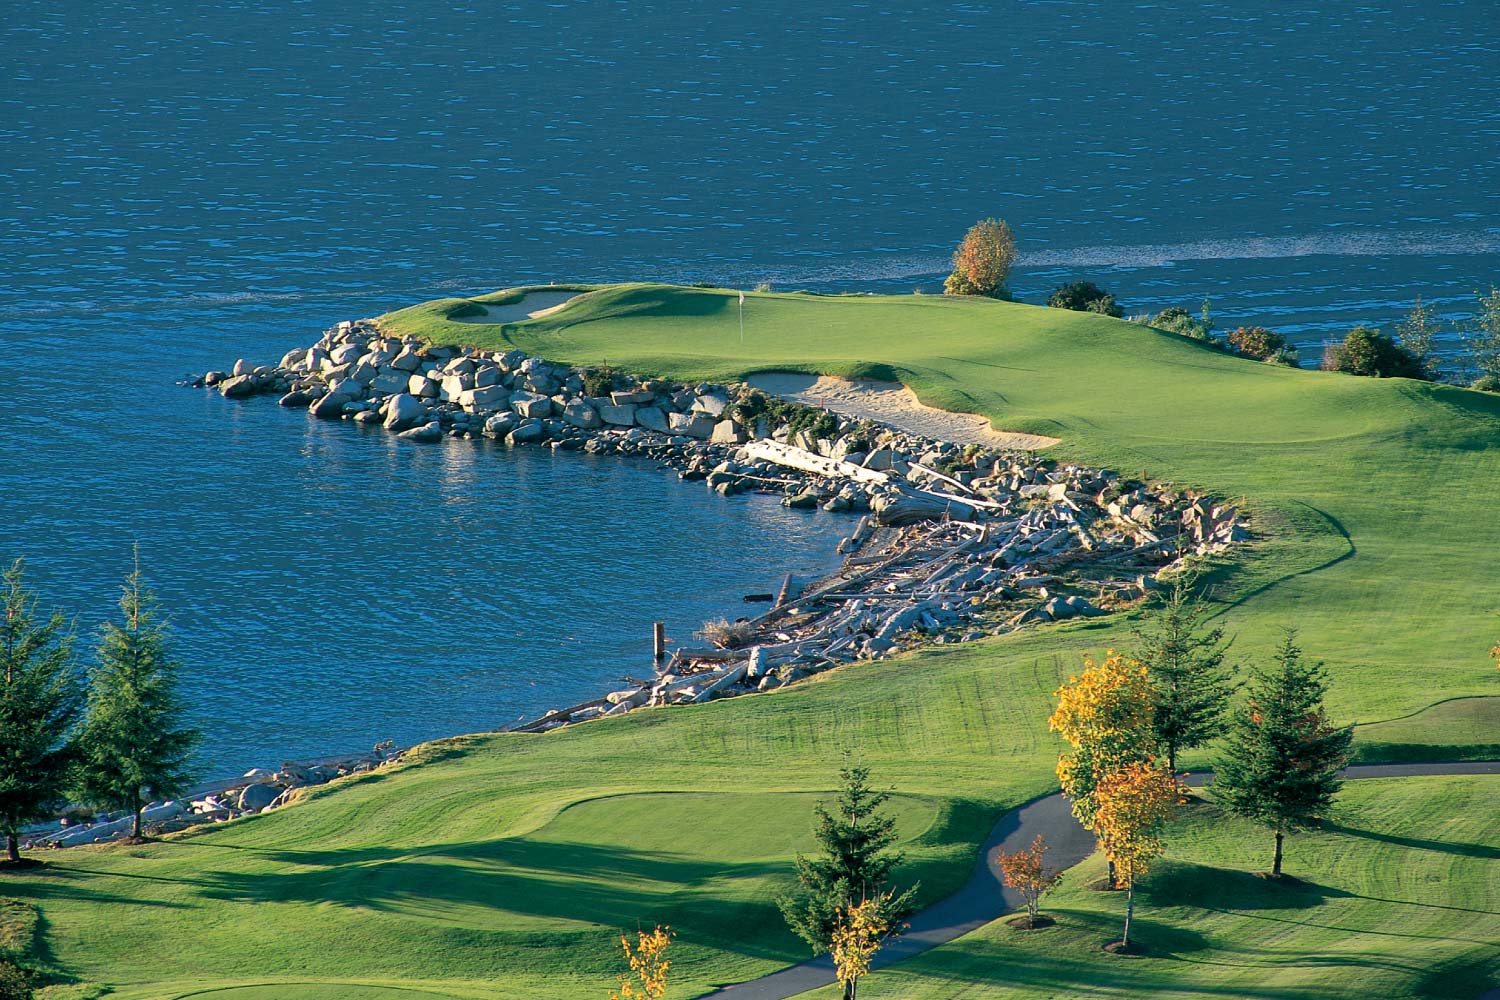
(853, 867)
(1184, 660)
(40, 701)
(1281, 762)
(133, 741)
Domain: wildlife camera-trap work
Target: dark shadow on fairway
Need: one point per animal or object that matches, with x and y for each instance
(1184, 884)
(1442, 846)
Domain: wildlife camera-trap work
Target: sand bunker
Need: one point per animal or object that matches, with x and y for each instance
(893, 403)
(532, 305)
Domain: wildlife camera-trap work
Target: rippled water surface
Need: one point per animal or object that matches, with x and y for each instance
(181, 185)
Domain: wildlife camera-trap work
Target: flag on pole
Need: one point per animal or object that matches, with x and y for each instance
(742, 298)
(742, 319)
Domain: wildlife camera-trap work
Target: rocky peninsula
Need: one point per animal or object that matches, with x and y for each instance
(956, 542)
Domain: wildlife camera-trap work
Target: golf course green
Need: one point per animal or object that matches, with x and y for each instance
(508, 865)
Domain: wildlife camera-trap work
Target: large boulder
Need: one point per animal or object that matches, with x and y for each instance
(531, 405)
(712, 403)
(698, 425)
(390, 380)
(631, 396)
(238, 387)
(407, 361)
(651, 418)
(500, 424)
(254, 798)
(618, 414)
(427, 433)
(330, 407)
(490, 397)
(454, 384)
(242, 367)
(345, 354)
(580, 414)
(727, 432)
(528, 433)
(403, 411)
(486, 376)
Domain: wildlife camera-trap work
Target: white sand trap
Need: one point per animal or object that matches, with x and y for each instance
(532, 305)
(893, 403)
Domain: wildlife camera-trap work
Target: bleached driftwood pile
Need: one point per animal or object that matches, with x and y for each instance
(1038, 544)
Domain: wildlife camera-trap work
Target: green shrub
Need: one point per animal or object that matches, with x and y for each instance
(1367, 351)
(14, 984)
(1085, 296)
(598, 381)
(1486, 383)
(1175, 319)
(1257, 342)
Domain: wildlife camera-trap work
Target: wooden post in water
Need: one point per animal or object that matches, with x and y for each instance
(659, 641)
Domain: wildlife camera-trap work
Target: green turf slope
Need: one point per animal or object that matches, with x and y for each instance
(1399, 898)
(507, 866)
(1378, 492)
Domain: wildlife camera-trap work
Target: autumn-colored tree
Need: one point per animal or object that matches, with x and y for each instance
(1257, 342)
(648, 965)
(1281, 762)
(1134, 803)
(1106, 716)
(858, 932)
(1026, 872)
(983, 260)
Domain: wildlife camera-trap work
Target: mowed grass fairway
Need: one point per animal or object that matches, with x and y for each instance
(506, 866)
(1400, 897)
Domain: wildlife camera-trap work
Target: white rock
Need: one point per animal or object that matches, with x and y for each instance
(403, 411)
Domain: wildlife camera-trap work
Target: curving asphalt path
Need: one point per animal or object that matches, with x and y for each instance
(985, 896)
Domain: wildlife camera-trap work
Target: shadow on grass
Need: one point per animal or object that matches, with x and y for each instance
(1418, 843)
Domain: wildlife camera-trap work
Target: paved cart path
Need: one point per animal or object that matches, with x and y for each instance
(985, 897)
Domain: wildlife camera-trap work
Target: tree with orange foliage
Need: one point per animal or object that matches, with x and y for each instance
(1106, 716)
(1026, 873)
(983, 260)
(648, 965)
(1133, 804)
(859, 929)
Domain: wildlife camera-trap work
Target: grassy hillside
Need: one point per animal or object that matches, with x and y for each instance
(1375, 490)
(507, 866)
(1400, 898)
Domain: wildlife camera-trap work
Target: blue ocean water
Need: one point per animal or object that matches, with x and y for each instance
(182, 185)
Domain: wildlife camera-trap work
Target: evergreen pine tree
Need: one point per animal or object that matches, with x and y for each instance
(133, 741)
(854, 864)
(1190, 684)
(40, 701)
(1280, 767)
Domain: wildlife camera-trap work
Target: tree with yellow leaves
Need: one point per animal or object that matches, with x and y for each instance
(1106, 716)
(859, 930)
(648, 965)
(982, 261)
(1133, 804)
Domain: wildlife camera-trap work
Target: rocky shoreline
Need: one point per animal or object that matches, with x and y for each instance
(957, 542)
